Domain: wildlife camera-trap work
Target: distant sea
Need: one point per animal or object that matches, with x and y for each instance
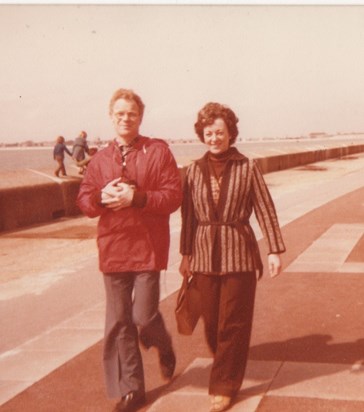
(26, 158)
(39, 158)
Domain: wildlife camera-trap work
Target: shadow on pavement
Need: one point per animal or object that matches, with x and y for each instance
(310, 348)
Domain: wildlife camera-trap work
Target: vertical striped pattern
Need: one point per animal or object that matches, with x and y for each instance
(215, 189)
(206, 225)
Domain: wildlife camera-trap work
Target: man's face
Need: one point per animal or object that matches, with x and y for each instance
(126, 119)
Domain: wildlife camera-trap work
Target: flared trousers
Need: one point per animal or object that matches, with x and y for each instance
(227, 312)
(132, 301)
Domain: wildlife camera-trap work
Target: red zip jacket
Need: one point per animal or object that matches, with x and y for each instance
(133, 239)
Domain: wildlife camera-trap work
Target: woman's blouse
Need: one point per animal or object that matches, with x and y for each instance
(217, 163)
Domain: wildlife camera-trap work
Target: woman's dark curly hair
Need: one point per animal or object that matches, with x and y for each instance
(212, 111)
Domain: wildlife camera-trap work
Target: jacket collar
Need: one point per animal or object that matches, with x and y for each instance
(203, 165)
(136, 143)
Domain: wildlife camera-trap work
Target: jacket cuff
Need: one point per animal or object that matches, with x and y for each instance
(98, 199)
(277, 251)
(139, 199)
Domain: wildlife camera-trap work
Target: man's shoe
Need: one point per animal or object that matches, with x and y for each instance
(131, 402)
(167, 363)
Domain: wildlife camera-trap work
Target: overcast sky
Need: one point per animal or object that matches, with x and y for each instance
(284, 70)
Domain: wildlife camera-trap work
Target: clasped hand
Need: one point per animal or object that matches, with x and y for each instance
(117, 195)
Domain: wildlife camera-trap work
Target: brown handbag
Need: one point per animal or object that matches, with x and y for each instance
(188, 309)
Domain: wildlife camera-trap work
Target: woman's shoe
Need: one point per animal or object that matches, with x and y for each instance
(220, 403)
(131, 402)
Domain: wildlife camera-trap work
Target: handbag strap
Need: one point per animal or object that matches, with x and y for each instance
(183, 287)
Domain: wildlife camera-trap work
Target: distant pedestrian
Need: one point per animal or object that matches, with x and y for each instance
(79, 151)
(133, 186)
(58, 155)
(219, 247)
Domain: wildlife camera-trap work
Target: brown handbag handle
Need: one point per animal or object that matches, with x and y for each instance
(185, 283)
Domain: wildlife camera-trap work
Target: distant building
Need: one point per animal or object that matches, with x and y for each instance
(315, 135)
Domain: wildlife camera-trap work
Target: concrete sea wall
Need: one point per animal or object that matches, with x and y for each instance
(46, 201)
(288, 161)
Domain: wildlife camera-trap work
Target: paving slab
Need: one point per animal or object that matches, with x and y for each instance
(298, 404)
(31, 365)
(320, 381)
(192, 386)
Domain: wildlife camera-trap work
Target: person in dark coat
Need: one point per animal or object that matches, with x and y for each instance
(133, 186)
(219, 248)
(58, 155)
(80, 151)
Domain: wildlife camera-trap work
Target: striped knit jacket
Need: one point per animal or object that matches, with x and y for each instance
(218, 238)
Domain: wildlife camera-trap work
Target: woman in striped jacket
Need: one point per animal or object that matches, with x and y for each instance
(219, 248)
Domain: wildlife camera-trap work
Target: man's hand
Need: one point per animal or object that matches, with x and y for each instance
(110, 191)
(117, 195)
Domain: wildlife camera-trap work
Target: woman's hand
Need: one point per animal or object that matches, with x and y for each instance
(274, 265)
(184, 267)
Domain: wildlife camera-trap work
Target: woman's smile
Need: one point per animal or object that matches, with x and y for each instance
(217, 137)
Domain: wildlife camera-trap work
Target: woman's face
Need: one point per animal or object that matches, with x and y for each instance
(216, 137)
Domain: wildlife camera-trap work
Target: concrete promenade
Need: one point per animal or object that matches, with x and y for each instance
(307, 348)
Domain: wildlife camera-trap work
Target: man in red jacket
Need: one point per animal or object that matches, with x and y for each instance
(133, 185)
